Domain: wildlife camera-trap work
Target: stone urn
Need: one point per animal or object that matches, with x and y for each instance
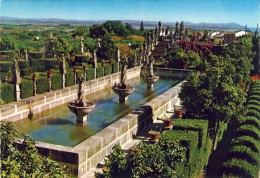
(167, 122)
(81, 107)
(154, 135)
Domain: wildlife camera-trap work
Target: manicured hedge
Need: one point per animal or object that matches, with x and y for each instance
(244, 153)
(8, 53)
(81, 58)
(248, 130)
(196, 125)
(247, 141)
(26, 88)
(250, 120)
(253, 113)
(253, 107)
(56, 81)
(193, 135)
(69, 78)
(239, 168)
(6, 66)
(42, 84)
(35, 55)
(44, 64)
(7, 92)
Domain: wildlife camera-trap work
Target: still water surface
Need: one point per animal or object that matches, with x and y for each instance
(58, 125)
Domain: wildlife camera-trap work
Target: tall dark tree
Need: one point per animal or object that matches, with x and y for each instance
(108, 49)
(142, 26)
(6, 44)
(97, 31)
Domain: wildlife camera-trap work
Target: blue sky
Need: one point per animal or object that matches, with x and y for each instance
(215, 11)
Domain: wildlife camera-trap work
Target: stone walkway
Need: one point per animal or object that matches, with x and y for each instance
(141, 136)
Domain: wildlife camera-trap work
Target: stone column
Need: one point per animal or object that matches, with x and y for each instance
(63, 72)
(17, 81)
(111, 62)
(34, 78)
(94, 65)
(49, 75)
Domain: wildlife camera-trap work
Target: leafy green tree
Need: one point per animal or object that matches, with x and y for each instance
(57, 47)
(116, 27)
(108, 49)
(97, 31)
(7, 43)
(214, 93)
(25, 161)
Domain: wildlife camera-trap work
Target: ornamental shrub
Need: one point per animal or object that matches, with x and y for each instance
(247, 141)
(7, 92)
(35, 55)
(56, 80)
(81, 58)
(42, 83)
(250, 120)
(196, 125)
(26, 88)
(248, 130)
(6, 66)
(239, 168)
(244, 153)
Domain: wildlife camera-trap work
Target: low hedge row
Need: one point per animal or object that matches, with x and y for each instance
(7, 92)
(250, 142)
(193, 135)
(26, 88)
(6, 66)
(242, 158)
(35, 55)
(242, 152)
(196, 125)
(45, 64)
(239, 168)
(250, 120)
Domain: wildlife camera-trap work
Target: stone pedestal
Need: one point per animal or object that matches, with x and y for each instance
(75, 78)
(63, 81)
(123, 99)
(149, 86)
(95, 73)
(17, 92)
(81, 119)
(49, 84)
(34, 87)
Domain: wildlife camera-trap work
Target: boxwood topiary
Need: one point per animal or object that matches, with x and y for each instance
(240, 168)
(247, 141)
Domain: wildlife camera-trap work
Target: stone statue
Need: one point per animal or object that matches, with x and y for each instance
(177, 28)
(81, 101)
(25, 54)
(17, 78)
(150, 67)
(81, 46)
(181, 28)
(94, 59)
(123, 72)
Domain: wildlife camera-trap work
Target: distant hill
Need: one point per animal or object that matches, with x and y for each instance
(134, 23)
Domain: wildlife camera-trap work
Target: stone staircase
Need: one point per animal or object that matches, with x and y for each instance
(160, 50)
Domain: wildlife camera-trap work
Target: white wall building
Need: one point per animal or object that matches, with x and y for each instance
(241, 33)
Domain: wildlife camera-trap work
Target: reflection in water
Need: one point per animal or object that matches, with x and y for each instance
(58, 125)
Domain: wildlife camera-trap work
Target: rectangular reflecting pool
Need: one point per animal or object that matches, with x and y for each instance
(58, 125)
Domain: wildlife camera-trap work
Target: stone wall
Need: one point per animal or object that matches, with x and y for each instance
(167, 72)
(86, 155)
(15, 111)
